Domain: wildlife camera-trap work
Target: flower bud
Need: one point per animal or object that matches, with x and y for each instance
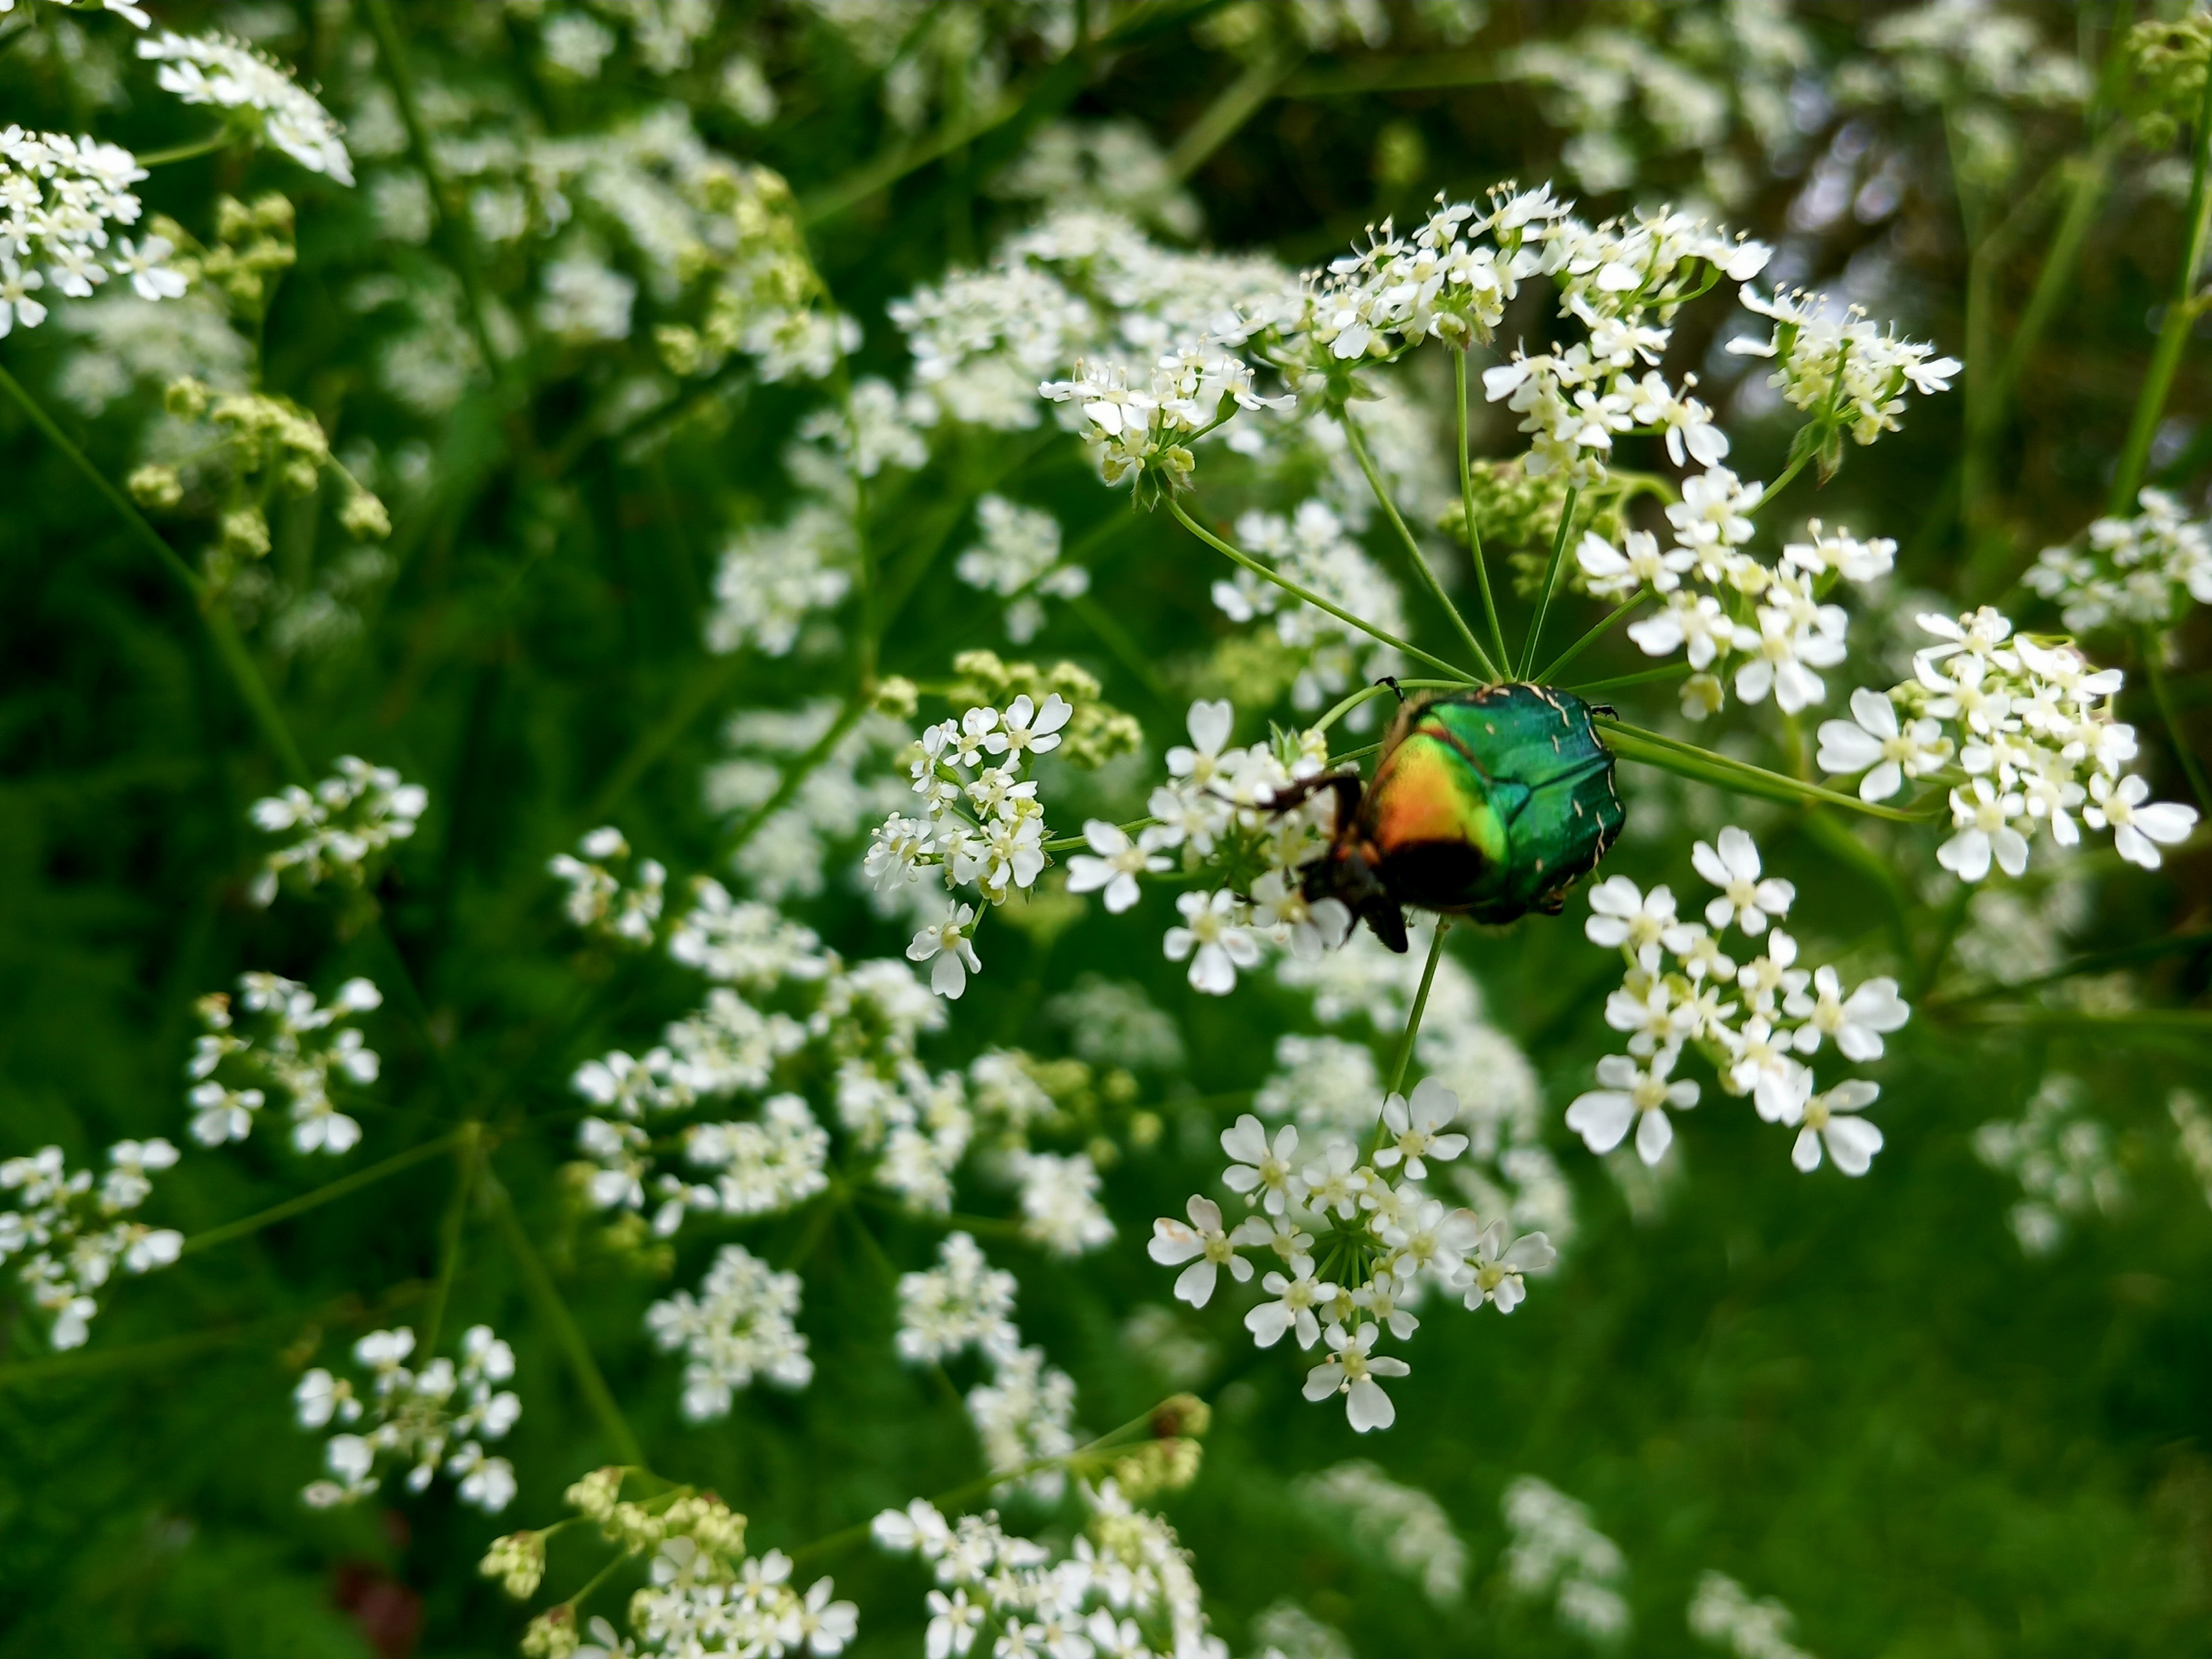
(896, 695)
(185, 398)
(364, 518)
(155, 486)
(518, 1561)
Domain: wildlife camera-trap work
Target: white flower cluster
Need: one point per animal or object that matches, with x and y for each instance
(1722, 602)
(1023, 1414)
(72, 1232)
(1554, 1543)
(442, 1412)
(1125, 1591)
(214, 70)
(332, 832)
(2063, 1159)
(772, 577)
(980, 823)
(1752, 1020)
(1723, 1613)
(1841, 370)
(1082, 284)
(2030, 721)
(1217, 808)
(277, 1035)
(698, 1604)
(58, 195)
(738, 1327)
(1403, 1524)
(601, 902)
(1313, 548)
(1357, 1242)
(2140, 571)
(1019, 560)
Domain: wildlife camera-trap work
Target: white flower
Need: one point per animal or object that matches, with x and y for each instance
(1216, 943)
(1638, 564)
(1114, 863)
(1264, 1174)
(1983, 815)
(1622, 916)
(1875, 741)
(142, 264)
(1857, 1022)
(1413, 1126)
(1210, 724)
(1852, 1141)
(948, 942)
(1745, 899)
(1633, 1092)
(230, 75)
(1312, 927)
(1173, 1242)
(2136, 828)
(1026, 728)
(1494, 1273)
(953, 1619)
(1296, 1296)
(1351, 1371)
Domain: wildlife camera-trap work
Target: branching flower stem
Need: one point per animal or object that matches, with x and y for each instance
(1619, 614)
(323, 1195)
(468, 1161)
(1404, 1054)
(186, 152)
(539, 1282)
(1460, 675)
(794, 776)
(1414, 548)
(2181, 313)
(1551, 581)
(1368, 692)
(1467, 509)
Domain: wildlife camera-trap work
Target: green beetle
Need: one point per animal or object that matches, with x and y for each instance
(1487, 803)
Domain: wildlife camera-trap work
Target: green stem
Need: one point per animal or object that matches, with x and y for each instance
(1414, 548)
(1420, 1006)
(1238, 103)
(1739, 777)
(1365, 692)
(247, 678)
(449, 1238)
(161, 158)
(2174, 332)
(1313, 599)
(1466, 510)
(1620, 614)
(451, 210)
(794, 775)
(1673, 671)
(2095, 962)
(2190, 768)
(1550, 582)
(539, 1282)
(322, 1195)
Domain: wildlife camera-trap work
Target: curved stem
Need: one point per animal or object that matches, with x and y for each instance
(1460, 676)
(1414, 548)
(1551, 581)
(322, 1195)
(1420, 1006)
(247, 678)
(2191, 767)
(207, 146)
(794, 775)
(1467, 508)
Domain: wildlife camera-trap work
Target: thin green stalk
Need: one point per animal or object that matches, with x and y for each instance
(1550, 582)
(2191, 767)
(1420, 1006)
(1673, 671)
(539, 1282)
(1739, 777)
(707, 686)
(2094, 961)
(1618, 615)
(1238, 103)
(794, 775)
(186, 152)
(1467, 508)
(452, 212)
(324, 1195)
(1119, 641)
(1414, 548)
(1345, 705)
(247, 678)
(1311, 597)
(2173, 333)
(449, 1237)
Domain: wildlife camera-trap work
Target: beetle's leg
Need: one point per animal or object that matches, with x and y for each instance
(1388, 921)
(1397, 690)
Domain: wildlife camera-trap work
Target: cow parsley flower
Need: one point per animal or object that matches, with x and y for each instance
(1634, 1095)
(71, 1233)
(215, 69)
(276, 1036)
(333, 832)
(438, 1415)
(738, 1327)
(1350, 1371)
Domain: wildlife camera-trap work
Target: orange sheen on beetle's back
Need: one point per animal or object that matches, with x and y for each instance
(1419, 797)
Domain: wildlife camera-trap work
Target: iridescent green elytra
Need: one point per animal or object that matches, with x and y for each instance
(1487, 803)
